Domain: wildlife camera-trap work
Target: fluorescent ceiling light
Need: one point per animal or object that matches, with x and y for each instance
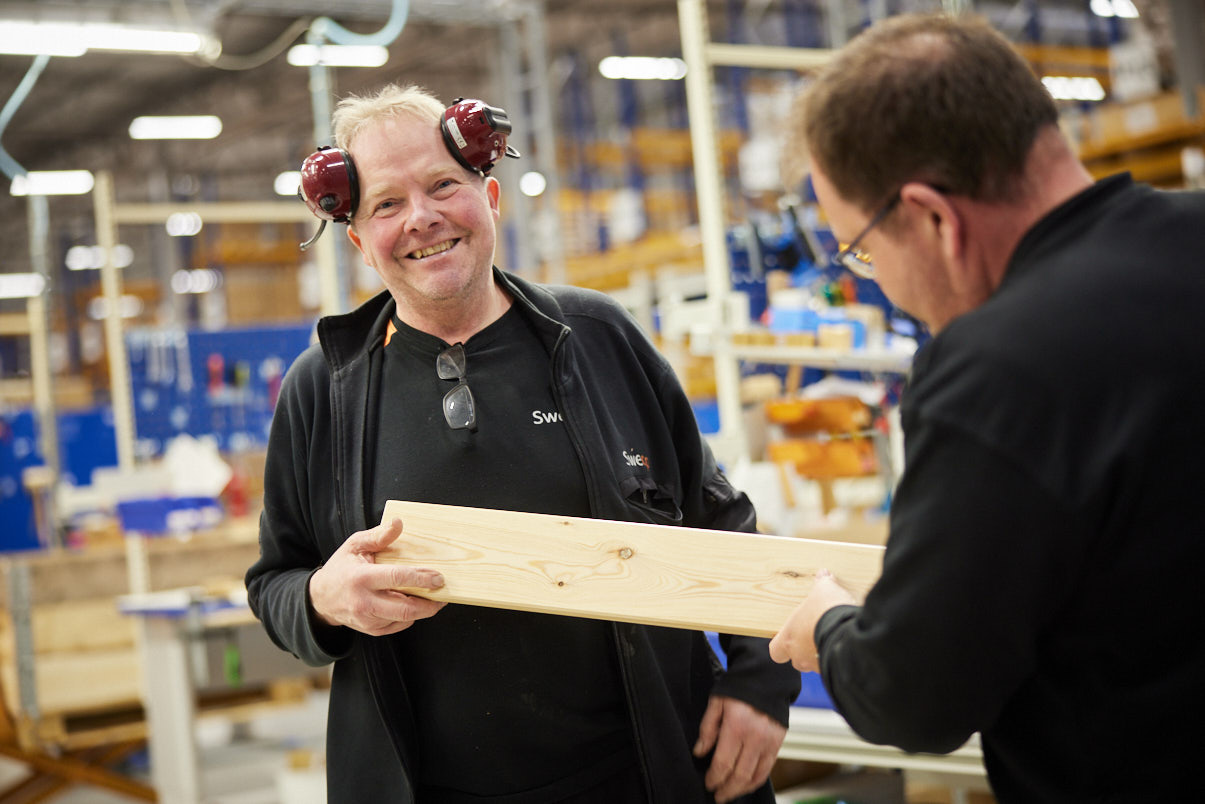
(202, 280)
(74, 39)
(83, 258)
(128, 305)
(36, 39)
(1114, 8)
(182, 127)
(532, 183)
(52, 182)
(287, 183)
(21, 286)
(642, 68)
(1125, 8)
(119, 37)
(183, 224)
(338, 55)
(1081, 88)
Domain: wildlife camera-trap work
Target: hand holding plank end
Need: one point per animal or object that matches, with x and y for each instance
(796, 642)
(352, 589)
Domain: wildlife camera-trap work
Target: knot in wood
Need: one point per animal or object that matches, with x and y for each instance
(625, 553)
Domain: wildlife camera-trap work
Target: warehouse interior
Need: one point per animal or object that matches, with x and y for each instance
(149, 312)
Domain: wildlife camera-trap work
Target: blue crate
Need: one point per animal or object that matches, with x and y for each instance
(144, 516)
(813, 693)
(193, 513)
(707, 416)
(154, 515)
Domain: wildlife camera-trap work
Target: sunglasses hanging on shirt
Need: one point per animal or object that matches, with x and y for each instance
(460, 409)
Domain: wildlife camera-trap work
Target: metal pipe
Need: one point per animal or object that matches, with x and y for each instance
(544, 135)
(517, 234)
(215, 211)
(329, 29)
(39, 350)
(692, 19)
(120, 392)
(39, 237)
(766, 57)
(332, 262)
(9, 165)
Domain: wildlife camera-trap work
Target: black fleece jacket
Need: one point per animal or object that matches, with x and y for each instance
(1044, 580)
(617, 394)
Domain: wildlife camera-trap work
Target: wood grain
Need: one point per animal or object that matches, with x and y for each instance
(734, 583)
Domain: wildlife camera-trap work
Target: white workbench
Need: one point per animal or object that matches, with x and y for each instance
(822, 735)
(173, 626)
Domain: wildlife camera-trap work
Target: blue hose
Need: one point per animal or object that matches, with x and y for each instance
(9, 165)
(333, 31)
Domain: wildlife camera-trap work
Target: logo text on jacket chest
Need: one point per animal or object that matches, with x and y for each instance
(634, 458)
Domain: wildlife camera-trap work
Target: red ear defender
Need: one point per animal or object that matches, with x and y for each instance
(329, 187)
(475, 133)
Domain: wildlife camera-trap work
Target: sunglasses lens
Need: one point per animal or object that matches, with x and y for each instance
(459, 409)
(449, 365)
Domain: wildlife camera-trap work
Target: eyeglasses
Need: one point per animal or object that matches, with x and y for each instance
(460, 411)
(857, 260)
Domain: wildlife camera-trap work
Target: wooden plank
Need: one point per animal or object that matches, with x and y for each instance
(735, 583)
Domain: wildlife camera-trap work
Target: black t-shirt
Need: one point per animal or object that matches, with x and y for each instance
(513, 706)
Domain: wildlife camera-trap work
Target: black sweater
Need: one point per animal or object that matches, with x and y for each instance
(616, 394)
(1044, 581)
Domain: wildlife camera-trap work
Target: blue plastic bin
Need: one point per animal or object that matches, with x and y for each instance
(812, 694)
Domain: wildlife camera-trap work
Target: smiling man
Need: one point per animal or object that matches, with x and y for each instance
(462, 384)
(1044, 574)
(426, 225)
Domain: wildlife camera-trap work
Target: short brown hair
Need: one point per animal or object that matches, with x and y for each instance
(923, 97)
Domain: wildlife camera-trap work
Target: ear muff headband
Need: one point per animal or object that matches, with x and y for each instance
(474, 132)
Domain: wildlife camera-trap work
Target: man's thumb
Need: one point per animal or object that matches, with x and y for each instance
(380, 537)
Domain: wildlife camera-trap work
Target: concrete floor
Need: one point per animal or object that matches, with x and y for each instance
(252, 763)
(243, 764)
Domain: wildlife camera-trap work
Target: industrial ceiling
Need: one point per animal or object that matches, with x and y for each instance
(78, 111)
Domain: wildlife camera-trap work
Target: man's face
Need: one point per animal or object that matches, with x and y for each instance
(901, 271)
(424, 223)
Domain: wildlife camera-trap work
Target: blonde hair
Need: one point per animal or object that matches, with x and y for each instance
(355, 112)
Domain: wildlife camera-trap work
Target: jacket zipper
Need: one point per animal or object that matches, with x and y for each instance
(371, 672)
(371, 657)
(617, 638)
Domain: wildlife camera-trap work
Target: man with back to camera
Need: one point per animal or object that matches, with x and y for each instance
(427, 392)
(1043, 579)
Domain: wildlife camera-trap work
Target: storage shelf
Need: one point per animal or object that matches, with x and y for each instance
(822, 735)
(878, 360)
(14, 324)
